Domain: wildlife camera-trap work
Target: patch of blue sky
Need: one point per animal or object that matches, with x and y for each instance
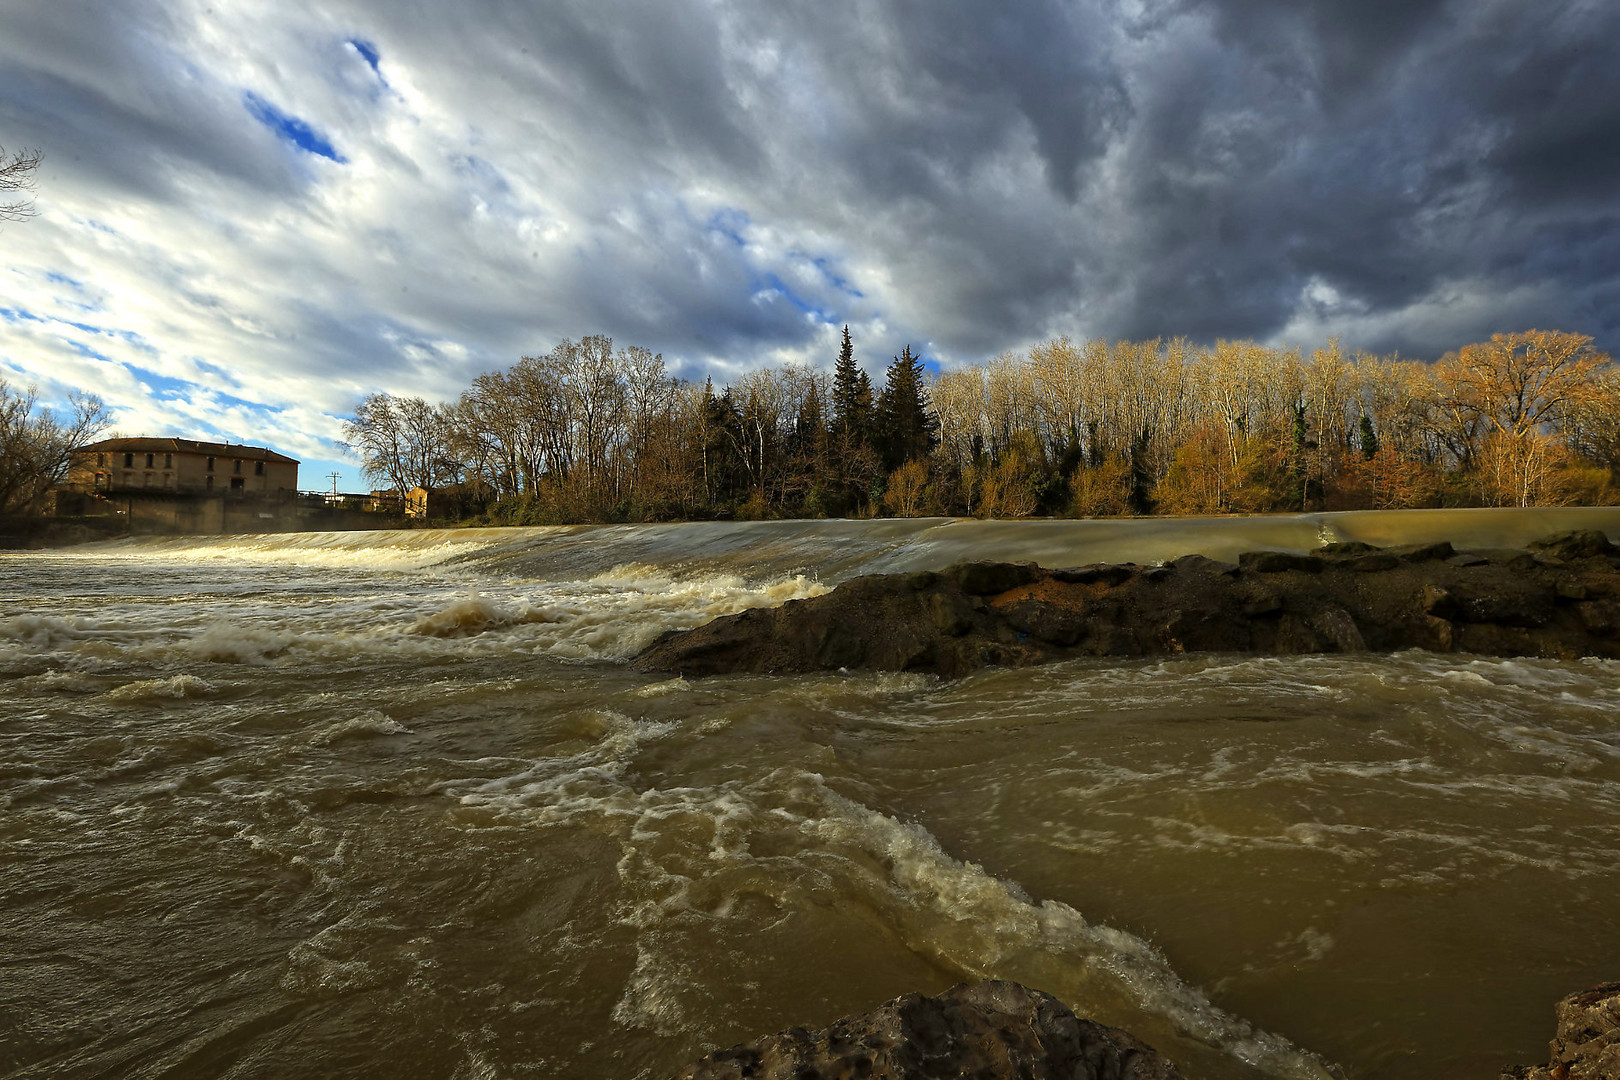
(291, 128)
(128, 337)
(484, 172)
(163, 387)
(208, 368)
(169, 388)
(772, 285)
(368, 52)
(19, 315)
(84, 350)
(56, 278)
(730, 223)
(824, 266)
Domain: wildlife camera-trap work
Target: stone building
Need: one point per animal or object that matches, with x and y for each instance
(180, 466)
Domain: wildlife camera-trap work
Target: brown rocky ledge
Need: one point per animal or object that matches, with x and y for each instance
(1558, 598)
(1587, 1044)
(988, 1030)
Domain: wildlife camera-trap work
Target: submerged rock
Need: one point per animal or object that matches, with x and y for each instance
(1560, 599)
(1587, 1043)
(988, 1030)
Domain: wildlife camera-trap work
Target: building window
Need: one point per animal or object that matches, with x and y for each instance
(238, 468)
(209, 484)
(148, 461)
(258, 468)
(210, 464)
(101, 459)
(101, 480)
(147, 481)
(129, 461)
(168, 461)
(237, 482)
(129, 478)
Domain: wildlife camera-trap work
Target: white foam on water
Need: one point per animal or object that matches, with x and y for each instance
(59, 681)
(367, 725)
(231, 642)
(691, 852)
(389, 550)
(176, 687)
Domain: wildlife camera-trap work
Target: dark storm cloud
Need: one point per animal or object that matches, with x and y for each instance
(407, 196)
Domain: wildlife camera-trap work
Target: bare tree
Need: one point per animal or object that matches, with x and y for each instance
(18, 172)
(404, 442)
(36, 447)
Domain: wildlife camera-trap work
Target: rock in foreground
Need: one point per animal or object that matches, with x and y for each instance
(988, 1030)
(1560, 599)
(1587, 1046)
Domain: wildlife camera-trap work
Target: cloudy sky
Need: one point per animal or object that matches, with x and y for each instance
(252, 213)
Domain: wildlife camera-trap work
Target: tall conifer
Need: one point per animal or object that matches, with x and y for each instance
(852, 396)
(906, 429)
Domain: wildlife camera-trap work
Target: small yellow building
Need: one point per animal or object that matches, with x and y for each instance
(181, 466)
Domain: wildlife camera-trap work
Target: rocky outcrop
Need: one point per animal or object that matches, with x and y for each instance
(988, 1030)
(1587, 1045)
(1558, 598)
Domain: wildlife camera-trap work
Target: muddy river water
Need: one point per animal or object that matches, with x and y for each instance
(392, 804)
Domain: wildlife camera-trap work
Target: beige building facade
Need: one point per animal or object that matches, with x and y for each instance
(180, 466)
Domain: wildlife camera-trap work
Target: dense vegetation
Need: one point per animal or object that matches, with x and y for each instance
(587, 433)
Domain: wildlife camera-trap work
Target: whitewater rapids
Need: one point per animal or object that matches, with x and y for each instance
(391, 804)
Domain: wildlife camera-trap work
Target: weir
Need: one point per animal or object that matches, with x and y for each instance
(834, 550)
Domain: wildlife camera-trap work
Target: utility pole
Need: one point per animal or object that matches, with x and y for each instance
(335, 477)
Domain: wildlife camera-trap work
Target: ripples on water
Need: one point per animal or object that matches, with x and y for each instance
(392, 807)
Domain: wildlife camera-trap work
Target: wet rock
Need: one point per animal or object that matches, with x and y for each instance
(1338, 628)
(1515, 601)
(1577, 544)
(1571, 589)
(1600, 617)
(1107, 573)
(1016, 614)
(1421, 553)
(986, 578)
(1277, 562)
(1586, 1045)
(1437, 601)
(1509, 558)
(989, 1030)
(1200, 562)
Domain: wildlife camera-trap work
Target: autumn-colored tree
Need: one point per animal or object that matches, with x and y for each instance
(1199, 480)
(904, 494)
(1514, 387)
(1390, 481)
(1100, 490)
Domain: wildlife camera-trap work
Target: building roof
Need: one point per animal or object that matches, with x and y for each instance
(144, 444)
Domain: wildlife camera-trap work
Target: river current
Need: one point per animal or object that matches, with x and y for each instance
(393, 805)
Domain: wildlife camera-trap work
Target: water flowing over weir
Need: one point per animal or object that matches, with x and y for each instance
(388, 804)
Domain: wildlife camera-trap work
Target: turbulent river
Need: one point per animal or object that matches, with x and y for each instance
(391, 804)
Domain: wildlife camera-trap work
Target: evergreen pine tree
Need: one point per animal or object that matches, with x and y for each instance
(905, 428)
(852, 396)
(1369, 438)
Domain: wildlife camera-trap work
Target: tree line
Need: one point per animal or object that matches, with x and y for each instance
(590, 433)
